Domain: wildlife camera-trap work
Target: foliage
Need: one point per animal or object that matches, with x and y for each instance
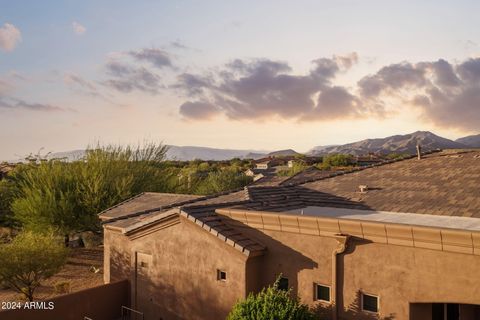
(298, 166)
(271, 304)
(29, 259)
(6, 197)
(396, 155)
(336, 160)
(69, 195)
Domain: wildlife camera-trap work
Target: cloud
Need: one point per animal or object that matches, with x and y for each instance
(199, 110)
(10, 37)
(127, 78)
(263, 88)
(13, 103)
(447, 94)
(156, 57)
(78, 28)
(135, 70)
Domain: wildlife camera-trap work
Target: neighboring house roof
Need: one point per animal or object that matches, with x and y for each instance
(438, 184)
(144, 202)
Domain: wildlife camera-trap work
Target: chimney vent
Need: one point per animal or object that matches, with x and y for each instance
(419, 152)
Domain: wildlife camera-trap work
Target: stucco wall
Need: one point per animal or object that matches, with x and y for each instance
(180, 277)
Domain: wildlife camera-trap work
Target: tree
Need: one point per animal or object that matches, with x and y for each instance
(69, 195)
(271, 303)
(336, 160)
(29, 259)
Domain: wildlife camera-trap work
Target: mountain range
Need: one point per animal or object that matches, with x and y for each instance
(398, 143)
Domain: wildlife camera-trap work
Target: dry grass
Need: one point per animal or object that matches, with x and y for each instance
(77, 272)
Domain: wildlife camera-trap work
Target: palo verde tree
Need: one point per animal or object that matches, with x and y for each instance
(271, 303)
(69, 195)
(29, 259)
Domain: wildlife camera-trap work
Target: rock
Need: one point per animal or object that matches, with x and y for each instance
(91, 239)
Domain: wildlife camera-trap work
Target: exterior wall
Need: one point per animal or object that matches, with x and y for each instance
(178, 277)
(398, 275)
(99, 303)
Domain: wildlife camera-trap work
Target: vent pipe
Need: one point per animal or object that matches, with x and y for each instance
(419, 152)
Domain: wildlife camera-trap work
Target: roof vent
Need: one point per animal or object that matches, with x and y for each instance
(363, 188)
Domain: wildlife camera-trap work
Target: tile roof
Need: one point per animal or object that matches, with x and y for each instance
(144, 202)
(440, 184)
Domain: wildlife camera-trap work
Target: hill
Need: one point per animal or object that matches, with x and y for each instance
(398, 143)
(470, 141)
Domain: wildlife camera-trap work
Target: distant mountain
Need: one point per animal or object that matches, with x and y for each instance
(254, 155)
(185, 153)
(470, 141)
(190, 153)
(283, 153)
(398, 143)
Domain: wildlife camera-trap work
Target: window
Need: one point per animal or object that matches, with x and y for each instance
(322, 293)
(283, 284)
(221, 275)
(369, 303)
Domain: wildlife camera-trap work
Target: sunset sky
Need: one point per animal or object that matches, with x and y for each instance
(235, 74)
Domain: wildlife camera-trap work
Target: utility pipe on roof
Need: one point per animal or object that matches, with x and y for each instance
(342, 242)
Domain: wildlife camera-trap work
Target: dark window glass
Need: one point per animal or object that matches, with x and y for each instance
(221, 275)
(283, 284)
(323, 293)
(370, 303)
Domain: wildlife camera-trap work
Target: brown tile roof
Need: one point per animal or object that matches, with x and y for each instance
(440, 184)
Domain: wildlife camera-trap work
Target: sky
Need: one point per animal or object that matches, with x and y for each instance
(263, 75)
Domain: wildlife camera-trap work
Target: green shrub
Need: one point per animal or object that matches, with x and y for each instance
(271, 304)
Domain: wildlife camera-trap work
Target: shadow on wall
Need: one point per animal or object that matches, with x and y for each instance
(352, 311)
(279, 259)
(119, 265)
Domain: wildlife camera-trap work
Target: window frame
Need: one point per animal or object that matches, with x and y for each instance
(219, 275)
(363, 294)
(288, 283)
(315, 293)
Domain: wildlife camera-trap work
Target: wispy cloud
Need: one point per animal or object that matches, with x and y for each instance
(78, 29)
(136, 70)
(13, 103)
(10, 37)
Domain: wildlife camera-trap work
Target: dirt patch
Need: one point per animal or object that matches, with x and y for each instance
(84, 269)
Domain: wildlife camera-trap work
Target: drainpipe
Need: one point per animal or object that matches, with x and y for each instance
(342, 241)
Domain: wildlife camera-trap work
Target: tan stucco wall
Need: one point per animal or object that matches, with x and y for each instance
(398, 275)
(181, 279)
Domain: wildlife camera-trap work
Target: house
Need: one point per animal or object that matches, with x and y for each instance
(404, 246)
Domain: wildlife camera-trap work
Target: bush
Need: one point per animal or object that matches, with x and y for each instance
(271, 304)
(29, 259)
(336, 160)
